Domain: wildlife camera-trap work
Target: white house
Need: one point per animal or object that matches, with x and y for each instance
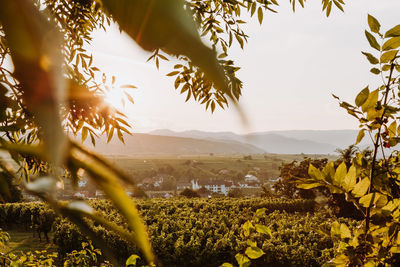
(251, 178)
(216, 186)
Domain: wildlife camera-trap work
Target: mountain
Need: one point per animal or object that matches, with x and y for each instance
(149, 144)
(284, 142)
(338, 138)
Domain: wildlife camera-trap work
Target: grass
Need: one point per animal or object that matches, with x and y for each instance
(24, 241)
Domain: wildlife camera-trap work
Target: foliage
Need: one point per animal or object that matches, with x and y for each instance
(290, 171)
(50, 86)
(184, 232)
(280, 239)
(9, 191)
(87, 256)
(370, 182)
(31, 258)
(189, 193)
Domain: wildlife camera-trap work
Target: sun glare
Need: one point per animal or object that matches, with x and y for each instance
(115, 98)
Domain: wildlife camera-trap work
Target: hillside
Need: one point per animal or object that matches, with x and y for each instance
(281, 142)
(146, 144)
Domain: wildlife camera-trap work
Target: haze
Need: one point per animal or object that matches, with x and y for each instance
(290, 67)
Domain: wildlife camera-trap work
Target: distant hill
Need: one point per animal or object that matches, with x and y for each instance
(149, 144)
(281, 142)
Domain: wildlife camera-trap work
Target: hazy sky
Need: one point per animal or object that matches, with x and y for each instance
(290, 67)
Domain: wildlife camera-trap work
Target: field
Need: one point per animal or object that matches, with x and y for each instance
(266, 165)
(194, 232)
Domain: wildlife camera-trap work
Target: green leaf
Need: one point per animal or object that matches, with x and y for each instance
(128, 86)
(304, 185)
(247, 227)
(388, 56)
(173, 73)
(373, 199)
(374, 24)
(375, 71)
(260, 15)
(392, 129)
(329, 171)
(361, 188)
(360, 136)
(242, 260)
(390, 44)
(335, 229)
(315, 173)
(393, 32)
(260, 212)
(344, 231)
(350, 179)
(263, 229)
(170, 26)
(372, 41)
(373, 60)
(254, 252)
(84, 133)
(340, 174)
(132, 260)
(371, 101)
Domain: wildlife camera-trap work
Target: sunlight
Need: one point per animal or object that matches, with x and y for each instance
(115, 98)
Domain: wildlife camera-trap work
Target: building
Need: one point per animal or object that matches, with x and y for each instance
(251, 178)
(215, 186)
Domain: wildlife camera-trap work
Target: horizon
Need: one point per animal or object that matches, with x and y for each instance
(306, 51)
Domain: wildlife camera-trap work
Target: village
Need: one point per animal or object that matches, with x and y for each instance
(156, 187)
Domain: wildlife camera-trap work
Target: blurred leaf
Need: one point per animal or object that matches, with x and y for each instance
(128, 86)
(42, 185)
(132, 260)
(168, 25)
(107, 181)
(35, 50)
(80, 206)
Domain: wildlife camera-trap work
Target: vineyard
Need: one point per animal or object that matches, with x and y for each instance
(195, 232)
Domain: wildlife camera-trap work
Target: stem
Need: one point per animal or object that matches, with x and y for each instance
(376, 147)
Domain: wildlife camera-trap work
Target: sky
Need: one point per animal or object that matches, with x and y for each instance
(290, 67)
